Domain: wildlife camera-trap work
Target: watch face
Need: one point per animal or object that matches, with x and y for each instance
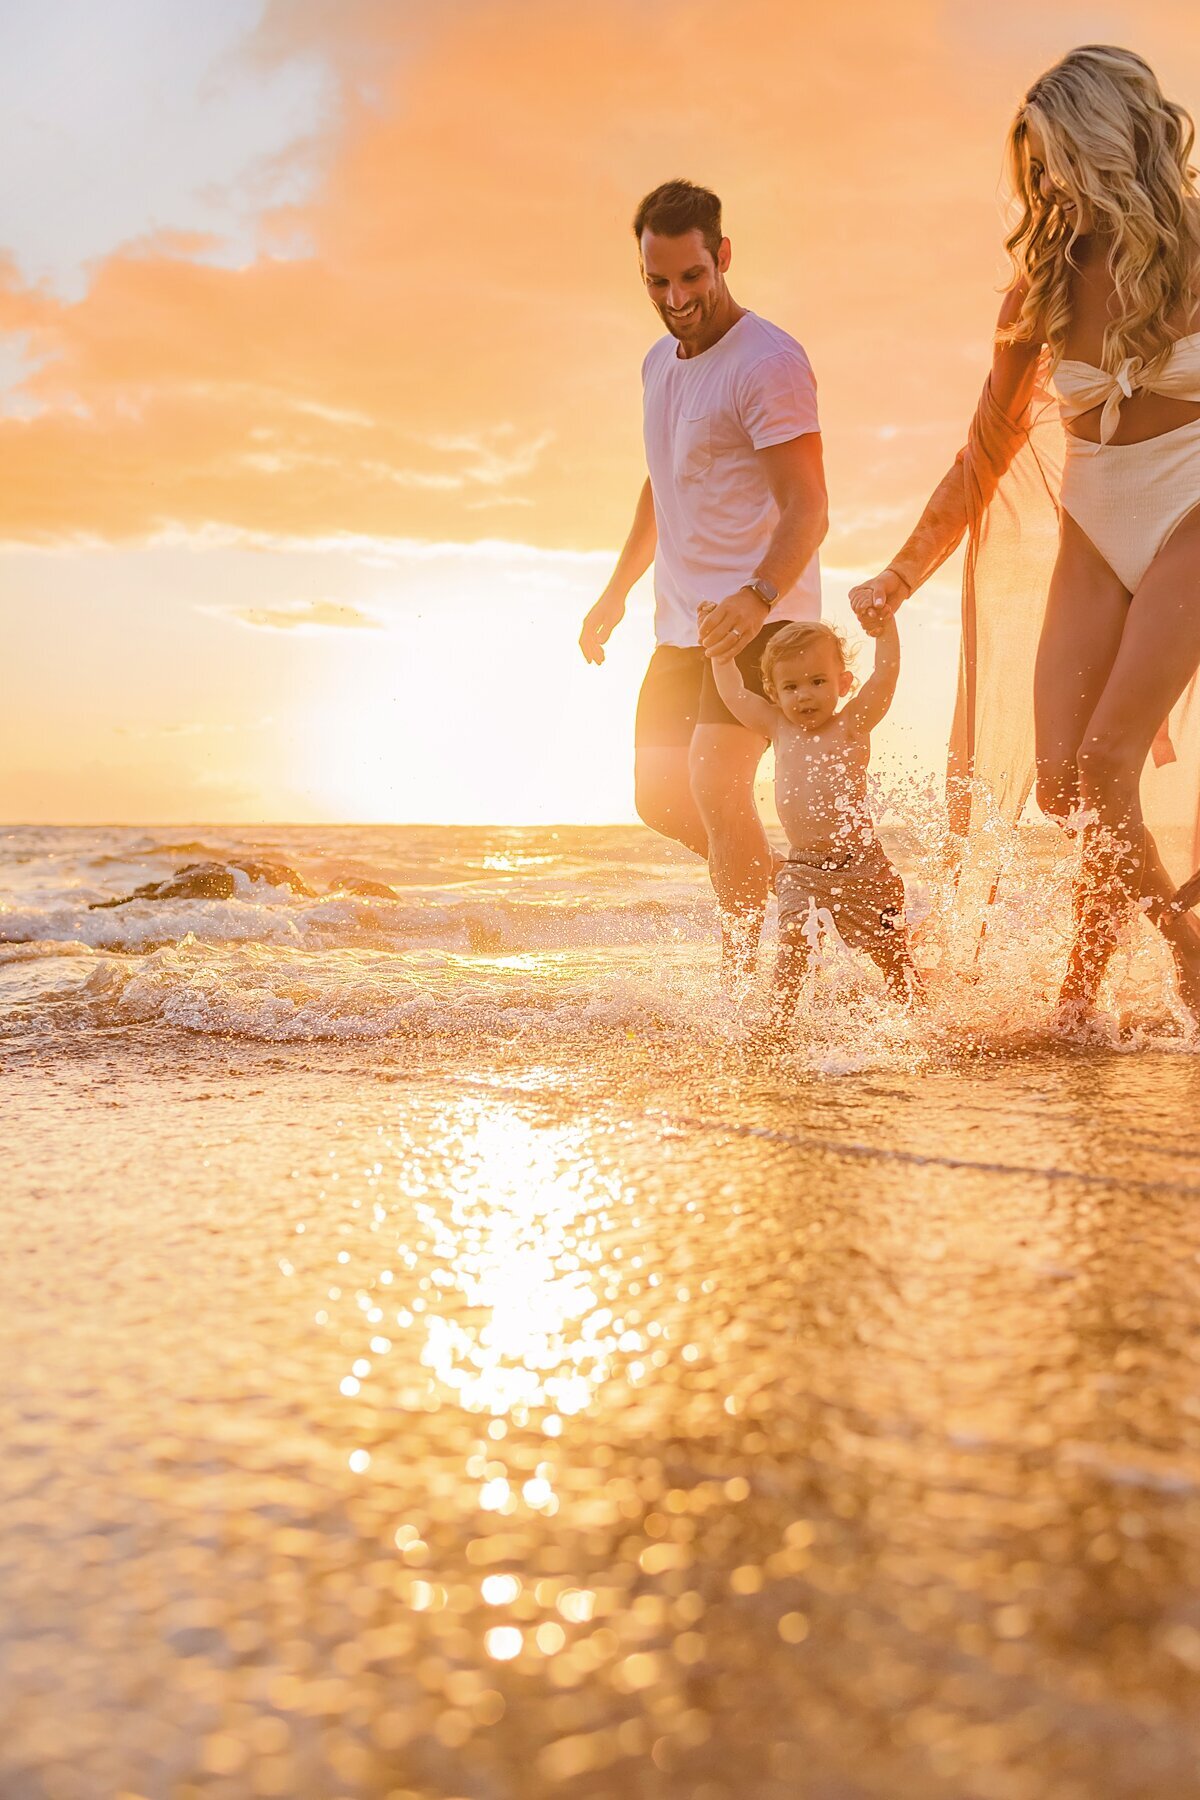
(764, 590)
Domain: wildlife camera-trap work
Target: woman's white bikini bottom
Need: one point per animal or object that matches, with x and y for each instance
(1128, 498)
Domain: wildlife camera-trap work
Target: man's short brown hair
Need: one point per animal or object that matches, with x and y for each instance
(678, 207)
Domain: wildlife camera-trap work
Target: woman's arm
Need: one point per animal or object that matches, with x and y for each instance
(869, 706)
(997, 431)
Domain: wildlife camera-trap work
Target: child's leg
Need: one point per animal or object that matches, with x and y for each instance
(890, 953)
(791, 965)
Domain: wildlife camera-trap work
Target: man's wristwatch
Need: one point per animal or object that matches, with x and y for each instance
(766, 592)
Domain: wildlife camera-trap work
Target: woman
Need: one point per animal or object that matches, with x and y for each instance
(1105, 305)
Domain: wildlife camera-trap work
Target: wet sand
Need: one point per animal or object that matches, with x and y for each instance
(505, 1427)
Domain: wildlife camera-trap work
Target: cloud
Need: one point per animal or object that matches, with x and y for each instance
(494, 457)
(307, 615)
(141, 114)
(445, 326)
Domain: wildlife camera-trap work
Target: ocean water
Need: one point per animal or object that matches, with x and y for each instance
(444, 1358)
(486, 936)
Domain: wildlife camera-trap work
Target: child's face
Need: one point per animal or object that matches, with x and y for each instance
(809, 683)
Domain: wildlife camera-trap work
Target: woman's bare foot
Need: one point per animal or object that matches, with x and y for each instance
(1097, 933)
(1080, 990)
(1081, 983)
(1184, 941)
(1071, 1018)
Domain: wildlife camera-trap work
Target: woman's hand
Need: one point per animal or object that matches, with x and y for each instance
(876, 601)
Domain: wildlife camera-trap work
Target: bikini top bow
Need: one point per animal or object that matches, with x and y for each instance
(1124, 382)
(1082, 386)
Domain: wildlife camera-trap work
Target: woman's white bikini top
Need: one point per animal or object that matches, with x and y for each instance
(1081, 386)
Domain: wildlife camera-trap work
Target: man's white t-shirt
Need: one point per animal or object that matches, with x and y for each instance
(704, 417)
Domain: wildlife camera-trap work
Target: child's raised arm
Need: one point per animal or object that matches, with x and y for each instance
(750, 709)
(871, 703)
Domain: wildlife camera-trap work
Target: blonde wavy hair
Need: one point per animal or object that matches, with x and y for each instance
(1121, 151)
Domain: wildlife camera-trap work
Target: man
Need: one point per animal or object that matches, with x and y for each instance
(731, 516)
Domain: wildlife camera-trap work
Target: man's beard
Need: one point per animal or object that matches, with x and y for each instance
(677, 327)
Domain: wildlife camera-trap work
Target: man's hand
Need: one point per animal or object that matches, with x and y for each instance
(876, 601)
(599, 626)
(727, 626)
(702, 611)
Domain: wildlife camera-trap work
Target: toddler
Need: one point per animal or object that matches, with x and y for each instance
(836, 869)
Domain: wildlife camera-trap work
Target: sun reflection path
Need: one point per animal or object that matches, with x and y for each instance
(499, 1269)
(517, 1236)
(491, 1270)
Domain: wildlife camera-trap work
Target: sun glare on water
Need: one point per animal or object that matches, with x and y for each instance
(491, 1265)
(529, 1330)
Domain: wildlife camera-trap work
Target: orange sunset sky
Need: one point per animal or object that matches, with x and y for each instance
(320, 330)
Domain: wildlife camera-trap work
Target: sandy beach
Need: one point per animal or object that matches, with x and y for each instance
(473, 1408)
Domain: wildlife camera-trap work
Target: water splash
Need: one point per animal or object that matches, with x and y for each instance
(564, 944)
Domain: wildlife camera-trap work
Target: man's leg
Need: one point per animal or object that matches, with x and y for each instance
(663, 796)
(724, 762)
(667, 706)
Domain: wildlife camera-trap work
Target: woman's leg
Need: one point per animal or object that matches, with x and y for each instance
(1158, 654)
(1086, 611)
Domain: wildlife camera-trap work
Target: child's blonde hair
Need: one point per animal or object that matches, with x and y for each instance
(800, 636)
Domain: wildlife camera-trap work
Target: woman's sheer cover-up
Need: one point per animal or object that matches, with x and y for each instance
(1003, 493)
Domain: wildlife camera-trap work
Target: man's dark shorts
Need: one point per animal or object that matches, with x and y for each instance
(679, 692)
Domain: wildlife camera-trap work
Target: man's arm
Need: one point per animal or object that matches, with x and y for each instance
(796, 476)
(632, 563)
(795, 473)
(869, 706)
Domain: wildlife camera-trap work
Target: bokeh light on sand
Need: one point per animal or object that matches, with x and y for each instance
(686, 1460)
